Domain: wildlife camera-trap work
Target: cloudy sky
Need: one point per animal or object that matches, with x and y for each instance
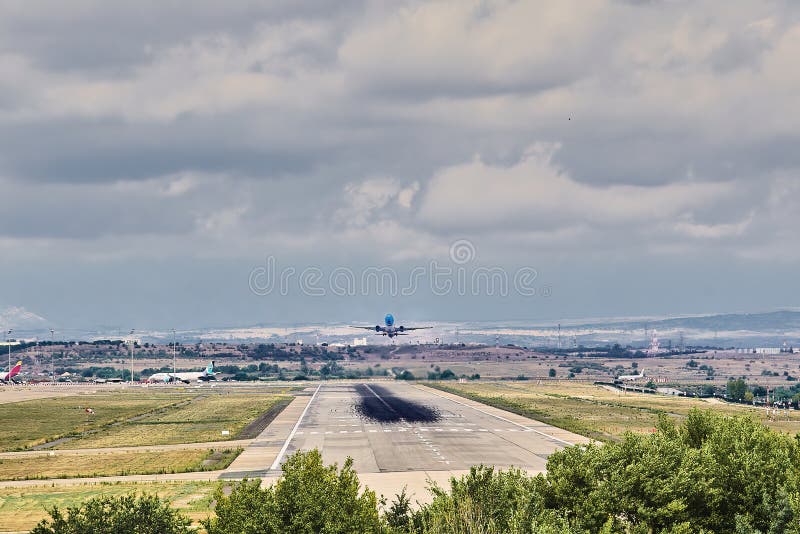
(636, 157)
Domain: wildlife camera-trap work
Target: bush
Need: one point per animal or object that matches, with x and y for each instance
(485, 500)
(447, 374)
(116, 515)
(309, 497)
(710, 473)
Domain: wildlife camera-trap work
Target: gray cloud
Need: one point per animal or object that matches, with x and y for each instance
(367, 132)
(103, 40)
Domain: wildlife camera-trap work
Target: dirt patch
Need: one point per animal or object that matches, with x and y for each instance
(257, 427)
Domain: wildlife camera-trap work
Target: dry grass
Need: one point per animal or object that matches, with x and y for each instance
(34, 422)
(22, 508)
(106, 464)
(595, 411)
(203, 419)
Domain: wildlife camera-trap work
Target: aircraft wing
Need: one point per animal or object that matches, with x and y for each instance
(407, 328)
(364, 327)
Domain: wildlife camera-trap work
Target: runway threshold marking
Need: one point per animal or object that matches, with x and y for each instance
(277, 463)
(502, 419)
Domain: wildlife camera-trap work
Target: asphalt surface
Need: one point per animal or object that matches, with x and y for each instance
(398, 427)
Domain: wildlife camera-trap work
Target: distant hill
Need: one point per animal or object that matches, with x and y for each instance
(778, 321)
(19, 318)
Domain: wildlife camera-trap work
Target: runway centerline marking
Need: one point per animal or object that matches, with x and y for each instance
(277, 463)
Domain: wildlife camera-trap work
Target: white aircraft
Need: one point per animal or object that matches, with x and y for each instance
(9, 375)
(632, 377)
(186, 378)
(389, 329)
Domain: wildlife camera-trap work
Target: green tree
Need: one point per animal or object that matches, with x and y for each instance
(447, 374)
(487, 501)
(736, 389)
(551, 373)
(127, 514)
(399, 514)
(308, 498)
(702, 475)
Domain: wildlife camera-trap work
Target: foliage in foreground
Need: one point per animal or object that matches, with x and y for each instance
(127, 514)
(710, 474)
(308, 498)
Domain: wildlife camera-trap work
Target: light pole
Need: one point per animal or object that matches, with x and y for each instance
(174, 361)
(130, 344)
(52, 355)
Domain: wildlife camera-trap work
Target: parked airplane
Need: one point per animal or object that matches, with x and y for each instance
(201, 376)
(389, 329)
(7, 377)
(632, 377)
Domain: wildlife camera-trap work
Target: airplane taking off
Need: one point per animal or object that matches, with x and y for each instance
(7, 377)
(631, 377)
(389, 329)
(202, 376)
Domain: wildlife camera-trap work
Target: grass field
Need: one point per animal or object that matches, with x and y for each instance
(34, 422)
(22, 508)
(115, 464)
(202, 419)
(595, 411)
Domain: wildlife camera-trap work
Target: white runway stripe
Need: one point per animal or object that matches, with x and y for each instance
(277, 463)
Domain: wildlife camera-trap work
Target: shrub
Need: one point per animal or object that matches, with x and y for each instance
(309, 497)
(127, 514)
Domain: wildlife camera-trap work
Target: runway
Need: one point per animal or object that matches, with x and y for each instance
(398, 434)
(397, 427)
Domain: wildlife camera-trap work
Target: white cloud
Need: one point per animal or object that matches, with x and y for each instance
(374, 199)
(535, 193)
(180, 185)
(406, 196)
(714, 231)
(442, 48)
